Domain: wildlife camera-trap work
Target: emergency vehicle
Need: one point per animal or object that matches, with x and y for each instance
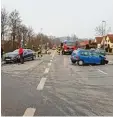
(68, 47)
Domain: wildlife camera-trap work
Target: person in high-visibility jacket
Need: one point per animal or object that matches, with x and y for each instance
(59, 49)
(39, 51)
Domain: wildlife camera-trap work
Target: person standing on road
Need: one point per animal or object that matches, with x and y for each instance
(21, 55)
(39, 51)
(59, 49)
(2, 51)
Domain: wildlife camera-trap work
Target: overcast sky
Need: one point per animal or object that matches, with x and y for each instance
(63, 17)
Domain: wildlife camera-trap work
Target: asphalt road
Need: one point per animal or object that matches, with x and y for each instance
(54, 87)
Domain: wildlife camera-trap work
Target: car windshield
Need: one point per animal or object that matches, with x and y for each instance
(94, 54)
(16, 50)
(70, 43)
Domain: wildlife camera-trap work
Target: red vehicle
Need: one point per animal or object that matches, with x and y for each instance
(68, 47)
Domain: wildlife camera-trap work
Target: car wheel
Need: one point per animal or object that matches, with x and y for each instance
(6, 62)
(102, 62)
(63, 53)
(80, 63)
(33, 58)
(73, 62)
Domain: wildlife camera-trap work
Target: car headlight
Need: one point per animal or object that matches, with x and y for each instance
(16, 57)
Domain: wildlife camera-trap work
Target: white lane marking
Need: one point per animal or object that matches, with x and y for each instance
(102, 71)
(41, 84)
(46, 71)
(49, 64)
(29, 112)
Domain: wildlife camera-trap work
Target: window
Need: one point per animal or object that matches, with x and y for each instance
(25, 52)
(29, 50)
(85, 53)
(94, 54)
(70, 43)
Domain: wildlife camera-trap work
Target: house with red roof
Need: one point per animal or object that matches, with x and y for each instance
(98, 40)
(109, 41)
(106, 41)
(84, 43)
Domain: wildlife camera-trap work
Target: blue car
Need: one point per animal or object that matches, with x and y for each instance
(82, 57)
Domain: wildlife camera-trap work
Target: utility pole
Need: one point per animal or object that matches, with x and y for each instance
(41, 36)
(103, 28)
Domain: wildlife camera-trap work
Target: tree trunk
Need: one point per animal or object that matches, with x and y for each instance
(13, 44)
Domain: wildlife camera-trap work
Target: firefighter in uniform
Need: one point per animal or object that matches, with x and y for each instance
(61, 45)
(39, 51)
(58, 49)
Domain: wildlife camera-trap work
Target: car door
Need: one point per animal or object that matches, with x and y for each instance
(84, 56)
(25, 54)
(30, 53)
(91, 58)
(96, 58)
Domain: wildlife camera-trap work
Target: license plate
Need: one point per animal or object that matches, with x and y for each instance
(8, 59)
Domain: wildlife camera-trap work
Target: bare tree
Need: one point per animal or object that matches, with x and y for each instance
(30, 33)
(24, 30)
(4, 22)
(100, 31)
(14, 22)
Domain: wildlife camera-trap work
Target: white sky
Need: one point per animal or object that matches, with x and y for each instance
(63, 17)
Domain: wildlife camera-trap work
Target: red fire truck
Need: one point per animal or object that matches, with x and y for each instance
(68, 47)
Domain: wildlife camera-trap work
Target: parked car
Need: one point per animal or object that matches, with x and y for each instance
(82, 57)
(14, 57)
(68, 47)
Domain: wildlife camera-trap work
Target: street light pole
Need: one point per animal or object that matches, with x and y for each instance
(104, 31)
(104, 28)
(41, 36)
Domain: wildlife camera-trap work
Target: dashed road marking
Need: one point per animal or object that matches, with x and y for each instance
(41, 84)
(29, 112)
(102, 71)
(46, 71)
(50, 60)
(49, 64)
